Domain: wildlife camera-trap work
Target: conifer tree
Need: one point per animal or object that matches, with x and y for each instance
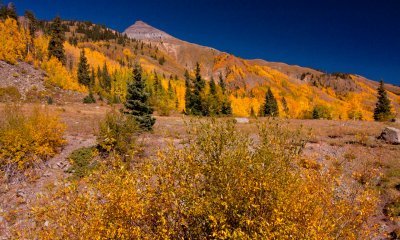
(271, 105)
(382, 110)
(198, 86)
(136, 103)
(105, 79)
(92, 78)
(8, 11)
(213, 87)
(83, 70)
(56, 43)
(222, 83)
(188, 93)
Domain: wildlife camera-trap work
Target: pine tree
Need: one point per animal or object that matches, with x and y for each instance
(56, 43)
(222, 83)
(382, 110)
(105, 78)
(83, 70)
(188, 93)
(32, 26)
(271, 105)
(92, 78)
(8, 12)
(213, 87)
(198, 86)
(137, 101)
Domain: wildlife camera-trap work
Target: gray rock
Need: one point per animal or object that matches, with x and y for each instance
(391, 135)
(242, 120)
(21, 194)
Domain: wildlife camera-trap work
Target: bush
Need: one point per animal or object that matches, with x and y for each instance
(220, 185)
(9, 94)
(89, 99)
(82, 162)
(25, 141)
(117, 134)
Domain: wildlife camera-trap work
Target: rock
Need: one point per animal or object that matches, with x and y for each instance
(391, 135)
(46, 223)
(21, 194)
(242, 120)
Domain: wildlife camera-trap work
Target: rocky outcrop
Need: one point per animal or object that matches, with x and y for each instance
(391, 135)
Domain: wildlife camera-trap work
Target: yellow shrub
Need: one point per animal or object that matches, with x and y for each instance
(25, 141)
(219, 186)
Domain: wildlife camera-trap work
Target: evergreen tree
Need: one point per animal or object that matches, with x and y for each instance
(213, 87)
(382, 110)
(8, 11)
(83, 70)
(137, 101)
(188, 93)
(285, 106)
(198, 86)
(92, 78)
(32, 22)
(222, 83)
(271, 105)
(56, 43)
(105, 79)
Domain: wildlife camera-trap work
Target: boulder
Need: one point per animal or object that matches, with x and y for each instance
(242, 120)
(391, 135)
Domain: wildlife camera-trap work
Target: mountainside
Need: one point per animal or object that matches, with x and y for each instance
(250, 78)
(300, 91)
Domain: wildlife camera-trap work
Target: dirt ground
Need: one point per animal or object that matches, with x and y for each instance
(330, 142)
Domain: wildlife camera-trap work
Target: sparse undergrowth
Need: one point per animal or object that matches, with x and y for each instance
(221, 184)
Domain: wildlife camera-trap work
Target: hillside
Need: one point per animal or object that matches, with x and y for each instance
(248, 79)
(298, 90)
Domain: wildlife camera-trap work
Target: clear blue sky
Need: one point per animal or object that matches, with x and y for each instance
(353, 36)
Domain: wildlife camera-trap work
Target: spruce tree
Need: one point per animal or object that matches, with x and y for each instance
(105, 79)
(382, 110)
(198, 86)
(188, 93)
(136, 103)
(213, 87)
(83, 70)
(56, 43)
(222, 83)
(271, 106)
(92, 78)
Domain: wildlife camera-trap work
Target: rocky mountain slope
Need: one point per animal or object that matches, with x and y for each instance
(253, 76)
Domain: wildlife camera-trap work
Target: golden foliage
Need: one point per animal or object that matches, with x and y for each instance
(13, 41)
(25, 141)
(220, 185)
(57, 74)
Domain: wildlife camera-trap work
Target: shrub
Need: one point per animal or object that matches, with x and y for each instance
(219, 185)
(82, 162)
(89, 99)
(9, 94)
(117, 134)
(28, 140)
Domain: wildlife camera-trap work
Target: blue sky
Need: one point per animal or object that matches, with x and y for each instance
(352, 36)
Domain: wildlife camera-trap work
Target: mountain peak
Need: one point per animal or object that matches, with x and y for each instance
(143, 31)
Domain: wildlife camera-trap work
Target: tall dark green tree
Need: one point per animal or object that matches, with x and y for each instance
(382, 110)
(32, 22)
(222, 83)
(137, 104)
(92, 78)
(8, 11)
(271, 105)
(198, 87)
(83, 70)
(56, 43)
(188, 92)
(285, 106)
(105, 79)
(213, 87)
